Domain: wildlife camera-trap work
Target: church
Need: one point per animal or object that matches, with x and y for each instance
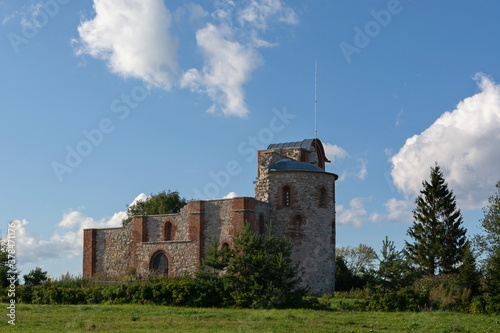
(292, 191)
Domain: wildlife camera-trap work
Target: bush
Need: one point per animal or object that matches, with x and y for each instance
(446, 292)
(406, 299)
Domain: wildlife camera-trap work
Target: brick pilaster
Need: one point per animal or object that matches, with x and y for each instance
(196, 225)
(243, 211)
(89, 252)
(139, 234)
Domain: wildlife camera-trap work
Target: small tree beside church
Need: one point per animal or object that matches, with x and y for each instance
(437, 231)
(259, 272)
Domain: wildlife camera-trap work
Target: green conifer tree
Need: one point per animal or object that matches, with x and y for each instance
(437, 231)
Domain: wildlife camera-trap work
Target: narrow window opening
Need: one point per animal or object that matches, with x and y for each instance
(286, 196)
(297, 221)
(322, 197)
(168, 231)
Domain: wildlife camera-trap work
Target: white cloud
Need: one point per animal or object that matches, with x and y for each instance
(362, 168)
(132, 37)
(354, 215)
(230, 195)
(228, 65)
(196, 12)
(337, 154)
(334, 153)
(259, 13)
(464, 142)
(396, 210)
(230, 51)
(67, 240)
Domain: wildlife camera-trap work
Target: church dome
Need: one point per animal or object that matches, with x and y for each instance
(292, 165)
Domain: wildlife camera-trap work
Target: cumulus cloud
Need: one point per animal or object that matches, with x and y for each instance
(334, 153)
(230, 195)
(354, 215)
(396, 210)
(464, 142)
(259, 13)
(230, 51)
(132, 36)
(67, 240)
(228, 65)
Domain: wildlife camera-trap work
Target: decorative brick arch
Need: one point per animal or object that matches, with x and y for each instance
(168, 230)
(296, 226)
(281, 199)
(157, 256)
(322, 197)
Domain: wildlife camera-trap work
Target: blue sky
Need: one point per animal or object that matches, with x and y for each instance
(103, 102)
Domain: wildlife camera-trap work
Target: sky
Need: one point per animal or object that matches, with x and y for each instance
(105, 102)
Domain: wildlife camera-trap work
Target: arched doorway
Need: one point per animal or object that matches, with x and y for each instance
(160, 264)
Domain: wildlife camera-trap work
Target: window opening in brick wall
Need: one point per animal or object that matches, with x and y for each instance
(286, 196)
(322, 197)
(297, 221)
(168, 231)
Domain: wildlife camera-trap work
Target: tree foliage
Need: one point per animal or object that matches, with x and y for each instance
(359, 260)
(161, 203)
(8, 267)
(259, 272)
(437, 231)
(394, 271)
(489, 242)
(493, 274)
(468, 272)
(35, 277)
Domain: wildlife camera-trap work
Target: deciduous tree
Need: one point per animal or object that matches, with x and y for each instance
(489, 242)
(161, 203)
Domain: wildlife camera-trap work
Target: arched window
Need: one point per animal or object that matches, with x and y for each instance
(167, 231)
(286, 196)
(262, 226)
(297, 221)
(160, 264)
(322, 197)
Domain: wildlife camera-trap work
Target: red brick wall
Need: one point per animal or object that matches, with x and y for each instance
(139, 234)
(196, 225)
(89, 252)
(243, 210)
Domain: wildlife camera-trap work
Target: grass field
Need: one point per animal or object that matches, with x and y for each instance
(151, 318)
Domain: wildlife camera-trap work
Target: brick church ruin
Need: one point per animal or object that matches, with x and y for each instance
(292, 190)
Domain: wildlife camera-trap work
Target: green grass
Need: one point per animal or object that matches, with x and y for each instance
(152, 318)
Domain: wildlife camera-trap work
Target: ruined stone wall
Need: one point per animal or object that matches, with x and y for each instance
(113, 251)
(310, 227)
(218, 223)
(182, 256)
(179, 221)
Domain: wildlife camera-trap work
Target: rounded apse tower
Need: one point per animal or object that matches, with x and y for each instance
(301, 200)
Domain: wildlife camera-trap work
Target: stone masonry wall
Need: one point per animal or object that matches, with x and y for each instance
(113, 251)
(182, 256)
(180, 227)
(311, 228)
(218, 222)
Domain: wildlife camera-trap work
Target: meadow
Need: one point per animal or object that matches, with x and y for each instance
(155, 318)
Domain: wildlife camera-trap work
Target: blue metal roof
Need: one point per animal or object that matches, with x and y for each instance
(292, 165)
(306, 144)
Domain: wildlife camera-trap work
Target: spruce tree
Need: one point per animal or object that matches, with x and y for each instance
(437, 231)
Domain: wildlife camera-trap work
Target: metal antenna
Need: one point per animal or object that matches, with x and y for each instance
(315, 98)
